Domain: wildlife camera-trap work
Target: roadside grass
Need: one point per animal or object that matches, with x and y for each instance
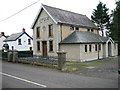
(84, 63)
(75, 66)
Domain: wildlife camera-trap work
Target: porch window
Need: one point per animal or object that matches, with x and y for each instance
(50, 45)
(19, 42)
(92, 30)
(50, 28)
(85, 48)
(99, 47)
(38, 45)
(96, 47)
(88, 30)
(38, 32)
(90, 48)
(77, 28)
(71, 27)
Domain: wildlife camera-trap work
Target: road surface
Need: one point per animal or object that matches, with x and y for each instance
(16, 75)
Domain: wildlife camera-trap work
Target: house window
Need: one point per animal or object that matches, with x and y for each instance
(92, 30)
(96, 47)
(90, 48)
(50, 28)
(85, 48)
(38, 45)
(19, 42)
(99, 47)
(71, 28)
(29, 42)
(50, 45)
(77, 28)
(38, 32)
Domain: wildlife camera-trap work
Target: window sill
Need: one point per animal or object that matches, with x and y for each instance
(39, 51)
(38, 38)
(50, 36)
(51, 51)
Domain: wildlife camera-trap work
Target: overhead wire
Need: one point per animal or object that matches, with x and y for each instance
(19, 11)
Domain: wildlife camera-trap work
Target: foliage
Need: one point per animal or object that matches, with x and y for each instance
(115, 32)
(115, 26)
(28, 53)
(101, 17)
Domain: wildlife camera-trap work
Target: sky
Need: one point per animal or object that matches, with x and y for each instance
(26, 18)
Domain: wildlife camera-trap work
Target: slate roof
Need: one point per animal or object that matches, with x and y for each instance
(66, 17)
(78, 37)
(15, 36)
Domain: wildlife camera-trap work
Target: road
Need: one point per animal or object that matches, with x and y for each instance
(16, 75)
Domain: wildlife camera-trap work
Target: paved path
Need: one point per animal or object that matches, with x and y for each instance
(28, 76)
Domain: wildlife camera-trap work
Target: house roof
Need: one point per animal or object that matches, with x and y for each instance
(2, 35)
(84, 37)
(15, 36)
(60, 16)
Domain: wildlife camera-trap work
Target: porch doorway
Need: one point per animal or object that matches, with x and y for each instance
(109, 49)
(44, 48)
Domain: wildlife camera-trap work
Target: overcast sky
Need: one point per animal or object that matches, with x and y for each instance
(26, 17)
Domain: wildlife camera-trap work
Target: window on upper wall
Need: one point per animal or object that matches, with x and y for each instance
(90, 48)
(19, 42)
(38, 45)
(50, 45)
(85, 48)
(50, 28)
(71, 27)
(38, 32)
(95, 47)
(29, 42)
(76, 28)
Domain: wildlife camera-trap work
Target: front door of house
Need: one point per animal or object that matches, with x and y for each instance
(44, 48)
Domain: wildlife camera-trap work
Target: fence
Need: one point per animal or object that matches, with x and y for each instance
(50, 61)
(40, 60)
(3, 55)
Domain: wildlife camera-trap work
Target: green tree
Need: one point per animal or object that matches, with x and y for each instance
(115, 25)
(101, 17)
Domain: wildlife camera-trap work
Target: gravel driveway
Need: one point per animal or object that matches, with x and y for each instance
(105, 68)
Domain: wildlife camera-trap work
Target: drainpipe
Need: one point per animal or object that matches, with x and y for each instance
(61, 35)
(61, 31)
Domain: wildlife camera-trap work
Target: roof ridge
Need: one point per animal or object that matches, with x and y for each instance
(64, 10)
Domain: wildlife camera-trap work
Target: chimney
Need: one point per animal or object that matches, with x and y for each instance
(2, 33)
(23, 30)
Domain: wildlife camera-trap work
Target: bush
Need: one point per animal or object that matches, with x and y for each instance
(25, 53)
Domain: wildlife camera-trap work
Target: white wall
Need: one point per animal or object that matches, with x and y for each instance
(93, 55)
(1, 42)
(24, 41)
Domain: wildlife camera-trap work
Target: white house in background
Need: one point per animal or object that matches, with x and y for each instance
(20, 41)
(2, 38)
